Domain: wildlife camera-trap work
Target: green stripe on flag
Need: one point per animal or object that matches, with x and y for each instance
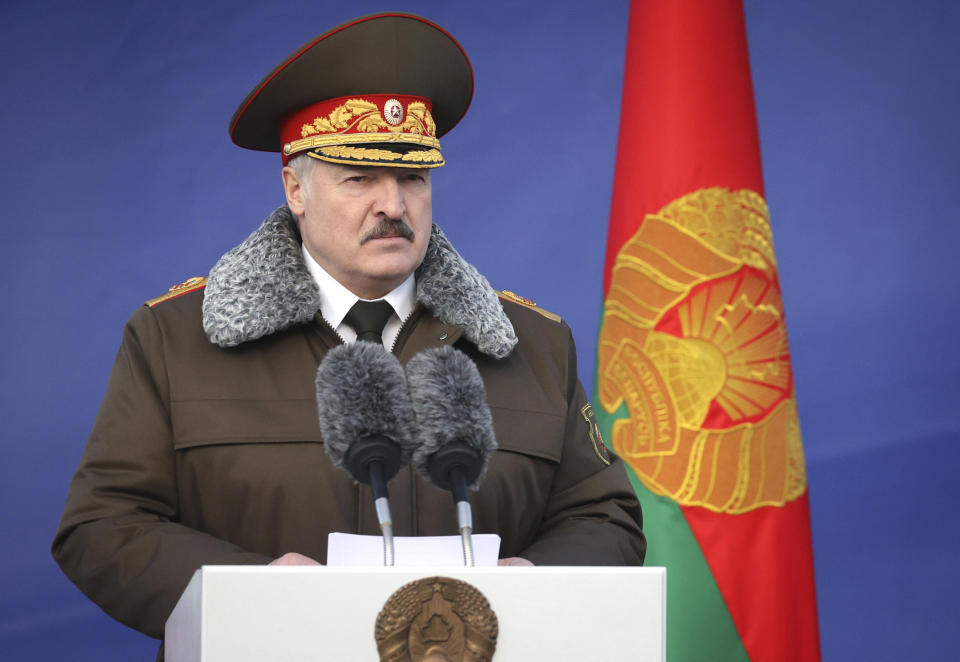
(699, 626)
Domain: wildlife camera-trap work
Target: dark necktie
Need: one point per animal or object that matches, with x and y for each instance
(367, 319)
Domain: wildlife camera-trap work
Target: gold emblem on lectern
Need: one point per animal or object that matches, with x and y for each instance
(436, 619)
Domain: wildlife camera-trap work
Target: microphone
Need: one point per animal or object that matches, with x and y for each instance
(456, 428)
(366, 420)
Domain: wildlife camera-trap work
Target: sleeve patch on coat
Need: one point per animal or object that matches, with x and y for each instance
(598, 446)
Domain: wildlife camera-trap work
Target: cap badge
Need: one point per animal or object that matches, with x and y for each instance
(393, 112)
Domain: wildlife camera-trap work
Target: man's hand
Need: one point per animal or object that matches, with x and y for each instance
(514, 560)
(292, 558)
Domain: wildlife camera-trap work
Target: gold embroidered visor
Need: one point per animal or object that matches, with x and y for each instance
(369, 129)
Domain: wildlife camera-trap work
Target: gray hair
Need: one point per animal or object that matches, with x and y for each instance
(302, 166)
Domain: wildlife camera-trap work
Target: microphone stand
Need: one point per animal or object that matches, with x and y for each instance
(464, 513)
(382, 505)
(452, 468)
(370, 461)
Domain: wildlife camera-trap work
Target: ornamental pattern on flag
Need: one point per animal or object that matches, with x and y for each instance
(693, 342)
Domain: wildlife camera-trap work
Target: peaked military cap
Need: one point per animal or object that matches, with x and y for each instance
(379, 90)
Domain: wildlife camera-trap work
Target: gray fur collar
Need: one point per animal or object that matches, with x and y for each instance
(262, 286)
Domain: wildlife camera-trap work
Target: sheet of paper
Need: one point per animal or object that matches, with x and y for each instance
(346, 549)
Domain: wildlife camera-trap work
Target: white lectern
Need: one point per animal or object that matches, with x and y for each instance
(295, 613)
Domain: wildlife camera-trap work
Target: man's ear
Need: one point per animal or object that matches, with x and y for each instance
(293, 190)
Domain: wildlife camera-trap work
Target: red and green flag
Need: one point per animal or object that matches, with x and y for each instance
(694, 388)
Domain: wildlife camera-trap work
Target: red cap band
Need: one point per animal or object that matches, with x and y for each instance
(360, 119)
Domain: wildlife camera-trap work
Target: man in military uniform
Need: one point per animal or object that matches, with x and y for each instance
(207, 448)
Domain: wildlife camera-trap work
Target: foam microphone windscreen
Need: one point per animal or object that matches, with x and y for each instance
(450, 402)
(362, 392)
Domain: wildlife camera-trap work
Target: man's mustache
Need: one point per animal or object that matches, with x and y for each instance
(389, 227)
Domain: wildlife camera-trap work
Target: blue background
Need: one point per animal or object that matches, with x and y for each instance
(119, 180)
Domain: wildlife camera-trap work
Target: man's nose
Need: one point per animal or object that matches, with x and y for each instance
(390, 201)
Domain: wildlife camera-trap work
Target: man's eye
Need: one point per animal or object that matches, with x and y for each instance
(357, 178)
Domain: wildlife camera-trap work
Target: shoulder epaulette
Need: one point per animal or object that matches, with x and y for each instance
(523, 301)
(189, 285)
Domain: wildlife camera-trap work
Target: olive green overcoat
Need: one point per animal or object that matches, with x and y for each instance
(209, 454)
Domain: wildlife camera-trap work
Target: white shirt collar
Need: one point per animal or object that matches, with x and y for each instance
(336, 301)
